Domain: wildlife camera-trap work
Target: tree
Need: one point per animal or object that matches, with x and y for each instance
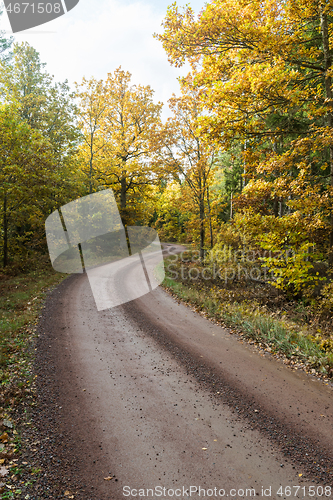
(264, 70)
(27, 183)
(229, 179)
(171, 215)
(46, 106)
(93, 105)
(5, 44)
(186, 155)
(120, 122)
(39, 141)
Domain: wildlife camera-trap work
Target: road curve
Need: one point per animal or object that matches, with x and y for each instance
(150, 394)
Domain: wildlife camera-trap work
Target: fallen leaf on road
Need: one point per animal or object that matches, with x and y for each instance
(3, 471)
(300, 475)
(108, 478)
(68, 494)
(204, 448)
(4, 437)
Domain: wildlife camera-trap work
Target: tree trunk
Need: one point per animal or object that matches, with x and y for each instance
(276, 207)
(5, 233)
(244, 169)
(210, 220)
(123, 200)
(329, 114)
(90, 171)
(91, 161)
(123, 193)
(202, 227)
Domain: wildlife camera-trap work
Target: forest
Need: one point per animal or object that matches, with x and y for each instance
(241, 173)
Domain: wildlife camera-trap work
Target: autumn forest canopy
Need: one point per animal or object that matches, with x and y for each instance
(243, 166)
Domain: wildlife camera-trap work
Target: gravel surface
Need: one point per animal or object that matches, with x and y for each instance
(150, 393)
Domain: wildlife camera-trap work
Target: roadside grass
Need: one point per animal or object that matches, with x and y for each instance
(273, 329)
(21, 301)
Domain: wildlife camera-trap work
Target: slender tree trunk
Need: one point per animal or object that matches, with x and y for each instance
(123, 193)
(210, 220)
(202, 226)
(5, 232)
(244, 168)
(329, 96)
(276, 207)
(90, 175)
(91, 163)
(123, 199)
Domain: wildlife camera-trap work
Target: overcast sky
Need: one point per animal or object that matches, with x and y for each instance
(96, 37)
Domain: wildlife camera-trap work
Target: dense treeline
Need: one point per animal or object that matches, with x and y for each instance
(263, 73)
(244, 163)
(38, 143)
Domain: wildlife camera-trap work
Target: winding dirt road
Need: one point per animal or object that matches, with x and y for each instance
(150, 394)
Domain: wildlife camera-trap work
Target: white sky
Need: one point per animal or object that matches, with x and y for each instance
(95, 40)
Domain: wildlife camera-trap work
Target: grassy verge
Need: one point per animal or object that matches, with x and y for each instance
(272, 327)
(21, 300)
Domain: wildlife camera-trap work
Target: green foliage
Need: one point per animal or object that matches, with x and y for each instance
(290, 264)
(229, 179)
(38, 165)
(171, 217)
(5, 44)
(46, 106)
(263, 71)
(281, 336)
(31, 184)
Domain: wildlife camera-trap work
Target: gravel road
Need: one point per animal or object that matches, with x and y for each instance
(150, 395)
